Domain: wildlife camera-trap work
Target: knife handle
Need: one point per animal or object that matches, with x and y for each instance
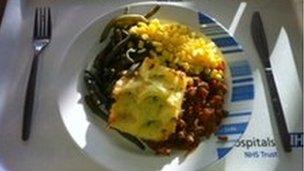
(278, 111)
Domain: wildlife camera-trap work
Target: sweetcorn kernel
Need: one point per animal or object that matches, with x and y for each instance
(156, 43)
(218, 76)
(180, 46)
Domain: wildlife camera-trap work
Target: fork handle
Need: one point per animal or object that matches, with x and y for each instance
(29, 99)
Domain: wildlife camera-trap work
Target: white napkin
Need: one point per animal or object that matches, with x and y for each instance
(256, 151)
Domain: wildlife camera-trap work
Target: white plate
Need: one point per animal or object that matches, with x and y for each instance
(112, 151)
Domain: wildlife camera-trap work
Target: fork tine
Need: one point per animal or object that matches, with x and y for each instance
(36, 23)
(44, 22)
(40, 22)
(49, 34)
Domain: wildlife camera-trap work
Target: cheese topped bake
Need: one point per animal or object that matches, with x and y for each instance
(148, 104)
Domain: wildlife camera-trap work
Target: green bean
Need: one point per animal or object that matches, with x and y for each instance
(110, 86)
(152, 11)
(133, 139)
(122, 21)
(115, 50)
(126, 10)
(91, 102)
(95, 98)
(92, 83)
(98, 62)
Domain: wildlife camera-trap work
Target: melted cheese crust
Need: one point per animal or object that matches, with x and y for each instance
(149, 103)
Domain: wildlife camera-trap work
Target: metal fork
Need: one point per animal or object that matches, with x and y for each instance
(41, 38)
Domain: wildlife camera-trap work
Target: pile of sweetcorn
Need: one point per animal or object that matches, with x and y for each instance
(177, 44)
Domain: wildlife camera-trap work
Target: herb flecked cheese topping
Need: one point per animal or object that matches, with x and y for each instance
(148, 104)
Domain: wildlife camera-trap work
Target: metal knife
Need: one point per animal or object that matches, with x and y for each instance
(260, 42)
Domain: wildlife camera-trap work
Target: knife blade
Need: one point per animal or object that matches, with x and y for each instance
(260, 42)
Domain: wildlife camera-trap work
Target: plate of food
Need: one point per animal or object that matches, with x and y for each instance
(155, 87)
